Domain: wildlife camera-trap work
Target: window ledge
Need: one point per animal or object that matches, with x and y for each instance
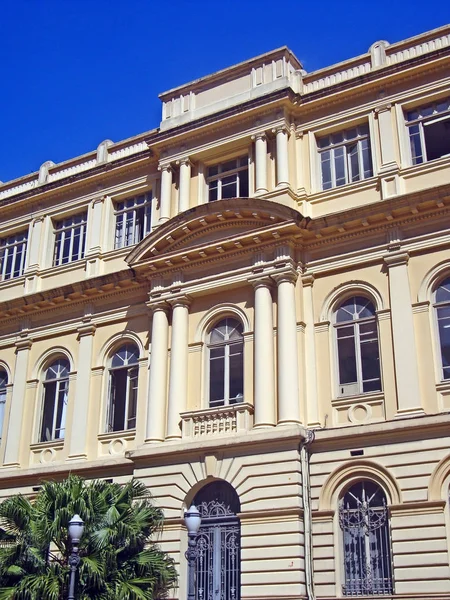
(70, 266)
(443, 386)
(426, 167)
(367, 397)
(56, 444)
(343, 190)
(127, 434)
(235, 418)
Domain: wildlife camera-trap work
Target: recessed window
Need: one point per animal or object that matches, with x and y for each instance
(3, 384)
(429, 131)
(228, 179)
(70, 239)
(364, 520)
(345, 156)
(13, 251)
(123, 388)
(133, 220)
(226, 363)
(357, 347)
(442, 308)
(56, 390)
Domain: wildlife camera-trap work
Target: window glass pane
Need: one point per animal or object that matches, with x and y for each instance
(325, 159)
(339, 166)
(353, 159)
(213, 171)
(118, 388)
(132, 397)
(351, 134)
(367, 158)
(347, 359)
(415, 144)
(47, 413)
(213, 191)
(323, 142)
(443, 291)
(229, 166)
(61, 411)
(370, 364)
(337, 138)
(243, 184)
(229, 187)
(437, 139)
(216, 381)
(236, 372)
(444, 338)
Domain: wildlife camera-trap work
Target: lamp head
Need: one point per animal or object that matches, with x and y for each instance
(192, 519)
(76, 528)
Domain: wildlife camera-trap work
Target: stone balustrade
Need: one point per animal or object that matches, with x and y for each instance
(236, 418)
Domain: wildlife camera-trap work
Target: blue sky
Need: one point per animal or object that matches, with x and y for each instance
(76, 72)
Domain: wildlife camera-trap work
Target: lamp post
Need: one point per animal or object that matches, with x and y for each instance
(75, 529)
(193, 522)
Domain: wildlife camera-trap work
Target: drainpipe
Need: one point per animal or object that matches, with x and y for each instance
(307, 517)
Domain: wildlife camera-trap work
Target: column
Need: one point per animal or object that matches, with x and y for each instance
(185, 184)
(13, 435)
(178, 366)
(77, 442)
(166, 193)
(282, 158)
(157, 385)
(405, 355)
(264, 385)
(260, 162)
(312, 401)
(288, 373)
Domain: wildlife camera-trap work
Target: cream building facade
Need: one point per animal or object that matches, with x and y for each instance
(249, 308)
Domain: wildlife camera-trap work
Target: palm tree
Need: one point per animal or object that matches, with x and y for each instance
(119, 560)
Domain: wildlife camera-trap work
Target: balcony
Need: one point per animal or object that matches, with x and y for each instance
(237, 418)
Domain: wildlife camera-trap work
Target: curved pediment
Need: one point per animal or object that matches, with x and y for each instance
(212, 225)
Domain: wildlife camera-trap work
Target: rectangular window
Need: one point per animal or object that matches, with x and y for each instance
(133, 220)
(70, 239)
(228, 179)
(13, 251)
(429, 131)
(345, 156)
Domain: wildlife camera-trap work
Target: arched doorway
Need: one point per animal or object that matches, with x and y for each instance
(218, 573)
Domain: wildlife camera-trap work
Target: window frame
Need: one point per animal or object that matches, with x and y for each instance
(129, 367)
(243, 165)
(332, 147)
(421, 122)
(3, 396)
(436, 306)
(69, 224)
(59, 388)
(227, 344)
(356, 324)
(144, 227)
(6, 244)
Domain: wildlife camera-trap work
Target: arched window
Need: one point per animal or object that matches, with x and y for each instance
(123, 388)
(226, 363)
(442, 307)
(217, 573)
(357, 347)
(3, 384)
(364, 520)
(56, 390)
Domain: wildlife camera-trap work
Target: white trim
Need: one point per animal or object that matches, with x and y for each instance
(214, 314)
(345, 290)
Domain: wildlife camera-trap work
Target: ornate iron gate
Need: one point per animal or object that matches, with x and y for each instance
(218, 552)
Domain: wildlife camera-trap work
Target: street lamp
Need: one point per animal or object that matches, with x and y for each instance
(75, 529)
(193, 521)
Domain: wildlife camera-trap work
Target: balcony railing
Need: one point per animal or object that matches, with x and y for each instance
(236, 418)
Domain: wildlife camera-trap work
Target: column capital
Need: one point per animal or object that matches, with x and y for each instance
(86, 330)
(184, 300)
(396, 259)
(258, 281)
(99, 199)
(281, 129)
(24, 344)
(158, 305)
(289, 275)
(165, 167)
(38, 219)
(184, 161)
(261, 135)
(383, 108)
(308, 279)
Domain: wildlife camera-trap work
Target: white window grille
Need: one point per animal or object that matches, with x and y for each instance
(123, 388)
(13, 250)
(345, 156)
(133, 220)
(3, 384)
(364, 520)
(442, 308)
(226, 363)
(429, 131)
(228, 179)
(357, 347)
(56, 390)
(70, 239)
